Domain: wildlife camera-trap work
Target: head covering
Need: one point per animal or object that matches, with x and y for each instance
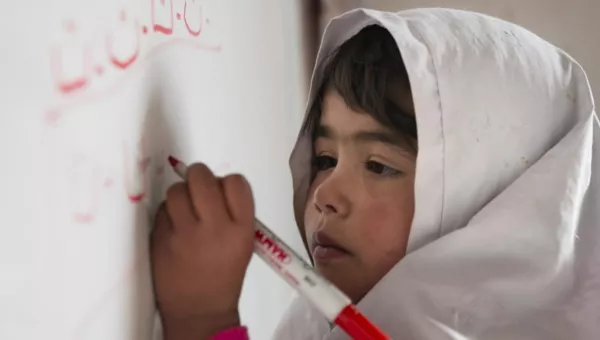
(505, 240)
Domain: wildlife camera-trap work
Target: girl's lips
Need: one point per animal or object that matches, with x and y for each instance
(323, 253)
(325, 248)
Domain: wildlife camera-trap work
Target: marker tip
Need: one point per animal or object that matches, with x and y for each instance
(173, 161)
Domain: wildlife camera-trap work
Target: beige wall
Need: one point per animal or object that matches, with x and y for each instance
(571, 25)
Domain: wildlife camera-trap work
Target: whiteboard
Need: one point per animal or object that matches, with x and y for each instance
(95, 95)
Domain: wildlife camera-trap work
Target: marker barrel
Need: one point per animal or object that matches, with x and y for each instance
(322, 294)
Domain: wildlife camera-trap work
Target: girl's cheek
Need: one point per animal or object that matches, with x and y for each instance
(386, 223)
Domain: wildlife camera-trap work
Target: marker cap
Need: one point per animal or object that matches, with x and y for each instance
(358, 326)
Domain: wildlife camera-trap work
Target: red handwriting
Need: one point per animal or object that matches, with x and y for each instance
(194, 17)
(71, 59)
(52, 115)
(84, 190)
(162, 16)
(77, 61)
(86, 182)
(136, 176)
(70, 63)
(123, 45)
(273, 248)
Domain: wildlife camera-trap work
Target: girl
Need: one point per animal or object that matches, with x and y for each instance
(446, 179)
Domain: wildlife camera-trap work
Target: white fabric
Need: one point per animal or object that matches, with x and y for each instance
(505, 238)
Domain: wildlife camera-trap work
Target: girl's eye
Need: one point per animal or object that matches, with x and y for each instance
(322, 163)
(380, 169)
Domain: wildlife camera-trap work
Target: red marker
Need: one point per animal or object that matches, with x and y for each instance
(324, 296)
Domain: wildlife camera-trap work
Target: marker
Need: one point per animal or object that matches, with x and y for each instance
(324, 296)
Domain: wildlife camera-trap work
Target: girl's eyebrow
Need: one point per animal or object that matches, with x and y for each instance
(365, 136)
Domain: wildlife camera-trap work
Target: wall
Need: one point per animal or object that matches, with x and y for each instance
(95, 95)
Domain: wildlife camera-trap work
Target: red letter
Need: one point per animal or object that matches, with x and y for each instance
(70, 61)
(162, 16)
(123, 43)
(194, 17)
(135, 172)
(84, 190)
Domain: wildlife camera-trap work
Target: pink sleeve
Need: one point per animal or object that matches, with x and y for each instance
(235, 333)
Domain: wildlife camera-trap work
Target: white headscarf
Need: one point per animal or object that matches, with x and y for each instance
(505, 241)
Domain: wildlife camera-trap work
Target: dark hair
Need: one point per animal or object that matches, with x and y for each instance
(366, 70)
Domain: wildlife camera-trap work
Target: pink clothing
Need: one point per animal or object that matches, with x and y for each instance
(235, 333)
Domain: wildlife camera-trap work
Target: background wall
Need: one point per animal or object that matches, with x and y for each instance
(571, 25)
(95, 94)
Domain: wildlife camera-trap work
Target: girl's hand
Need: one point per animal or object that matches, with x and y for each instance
(200, 249)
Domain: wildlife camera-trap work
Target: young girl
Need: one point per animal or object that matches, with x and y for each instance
(446, 179)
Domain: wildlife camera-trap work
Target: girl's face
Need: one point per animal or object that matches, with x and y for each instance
(361, 201)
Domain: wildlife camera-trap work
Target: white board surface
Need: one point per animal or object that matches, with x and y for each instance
(95, 94)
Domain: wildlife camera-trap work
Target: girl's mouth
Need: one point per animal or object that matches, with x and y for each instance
(325, 248)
